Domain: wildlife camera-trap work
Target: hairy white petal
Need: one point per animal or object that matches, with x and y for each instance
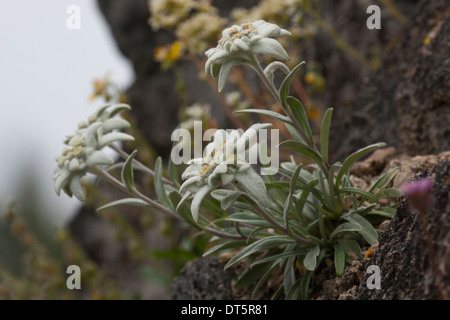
(270, 47)
(269, 30)
(241, 44)
(227, 178)
(190, 181)
(98, 158)
(74, 164)
(183, 199)
(115, 124)
(61, 178)
(113, 136)
(198, 198)
(76, 188)
(253, 184)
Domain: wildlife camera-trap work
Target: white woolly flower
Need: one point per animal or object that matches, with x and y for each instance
(239, 44)
(83, 151)
(226, 160)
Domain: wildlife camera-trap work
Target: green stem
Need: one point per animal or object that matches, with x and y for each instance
(125, 156)
(109, 178)
(273, 222)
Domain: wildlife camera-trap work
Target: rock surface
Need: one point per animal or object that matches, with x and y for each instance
(406, 102)
(203, 279)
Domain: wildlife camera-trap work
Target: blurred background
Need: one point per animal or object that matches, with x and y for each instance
(46, 79)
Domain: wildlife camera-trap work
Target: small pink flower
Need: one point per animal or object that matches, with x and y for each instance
(419, 193)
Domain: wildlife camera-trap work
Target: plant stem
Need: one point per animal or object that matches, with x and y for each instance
(125, 156)
(109, 178)
(136, 194)
(259, 70)
(273, 222)
(228, 110)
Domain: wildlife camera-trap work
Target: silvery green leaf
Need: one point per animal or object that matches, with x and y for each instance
(100, 112)
(76, 188)
(310, 260)
(159, 185)
(190, 181)
(127, 172)
(198, 198)
(298, 110)
(259, 245)
(253, 184)
(215, 59)
(345, 227)
(284, 88)
(215, 69)
(324, 134)
(118, 108)
(367, 231)
(225, 197)
(269, 113)
(350, 160)
(249, 218)
(128, 201)
(339, 259)
(183, 199)
(351, 248)
(304, 284)
(224, 71)
(98, 158)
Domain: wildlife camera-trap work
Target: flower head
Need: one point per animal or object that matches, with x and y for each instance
(418, 193)
(83, 154)
(226, 159)
(239, 44)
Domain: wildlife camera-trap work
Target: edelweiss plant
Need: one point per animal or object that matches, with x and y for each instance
(293, 221)
(83, 152)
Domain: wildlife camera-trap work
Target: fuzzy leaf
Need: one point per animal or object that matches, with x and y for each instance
(345, 227)
(310, 260)
(304, 284)
(159, 185)
(259, 245)
(298, 110)
(324, 134)
(128, 201)
(225, 197)
(367, 231)
(249, 218)
(127, 172)
(253, 184)
(269, 113)
(339, 259)
(284, 88)
(351, 248)
(350, 160)
(302, 148)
